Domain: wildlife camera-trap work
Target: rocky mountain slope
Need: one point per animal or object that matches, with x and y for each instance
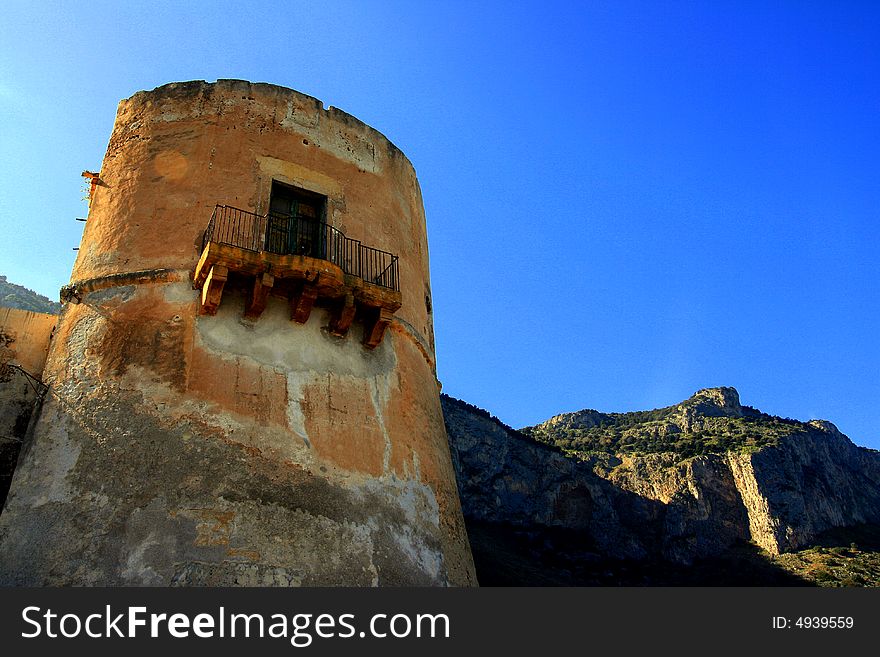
(682, 484)
(17, 296)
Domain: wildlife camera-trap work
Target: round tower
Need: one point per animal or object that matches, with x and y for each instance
(243, 386)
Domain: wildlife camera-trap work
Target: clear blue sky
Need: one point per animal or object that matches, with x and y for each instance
(627, 201)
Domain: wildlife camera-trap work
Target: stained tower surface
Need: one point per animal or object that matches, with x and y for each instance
(242, 380)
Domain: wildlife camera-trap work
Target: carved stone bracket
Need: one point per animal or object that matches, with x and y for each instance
(301, 303)
(260, 295)
(212, 289)
(374, 329)
(343, 315)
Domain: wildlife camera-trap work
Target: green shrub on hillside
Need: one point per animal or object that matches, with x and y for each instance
(662, 430)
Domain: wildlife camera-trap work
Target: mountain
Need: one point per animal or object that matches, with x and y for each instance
(17, 296)
(705, 491)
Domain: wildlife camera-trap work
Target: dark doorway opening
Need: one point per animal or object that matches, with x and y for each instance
(296, 222)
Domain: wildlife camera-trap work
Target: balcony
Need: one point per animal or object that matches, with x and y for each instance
(304, 260)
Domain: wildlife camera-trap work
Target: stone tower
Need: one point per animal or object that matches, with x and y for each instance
(242, 380)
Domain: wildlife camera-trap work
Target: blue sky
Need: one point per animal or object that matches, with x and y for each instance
(626, 201)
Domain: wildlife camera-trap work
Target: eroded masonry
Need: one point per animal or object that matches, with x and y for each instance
(242, 385)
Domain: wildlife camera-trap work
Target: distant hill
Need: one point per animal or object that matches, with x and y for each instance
(18, 296)
(711, 422)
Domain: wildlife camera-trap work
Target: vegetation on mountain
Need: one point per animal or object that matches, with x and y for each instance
(848, 556)
(704, 424)
(18, 296)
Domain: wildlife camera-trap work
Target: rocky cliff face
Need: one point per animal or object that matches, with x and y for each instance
(810, 482)
(507, 478)
(779, 493)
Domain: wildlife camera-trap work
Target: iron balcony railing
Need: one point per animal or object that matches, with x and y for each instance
(283, 234)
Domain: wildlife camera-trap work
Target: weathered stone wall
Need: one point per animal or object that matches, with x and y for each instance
(24, 343)
(24, 338)
(179, 448)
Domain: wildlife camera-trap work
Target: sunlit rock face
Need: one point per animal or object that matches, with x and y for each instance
(238, 431)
